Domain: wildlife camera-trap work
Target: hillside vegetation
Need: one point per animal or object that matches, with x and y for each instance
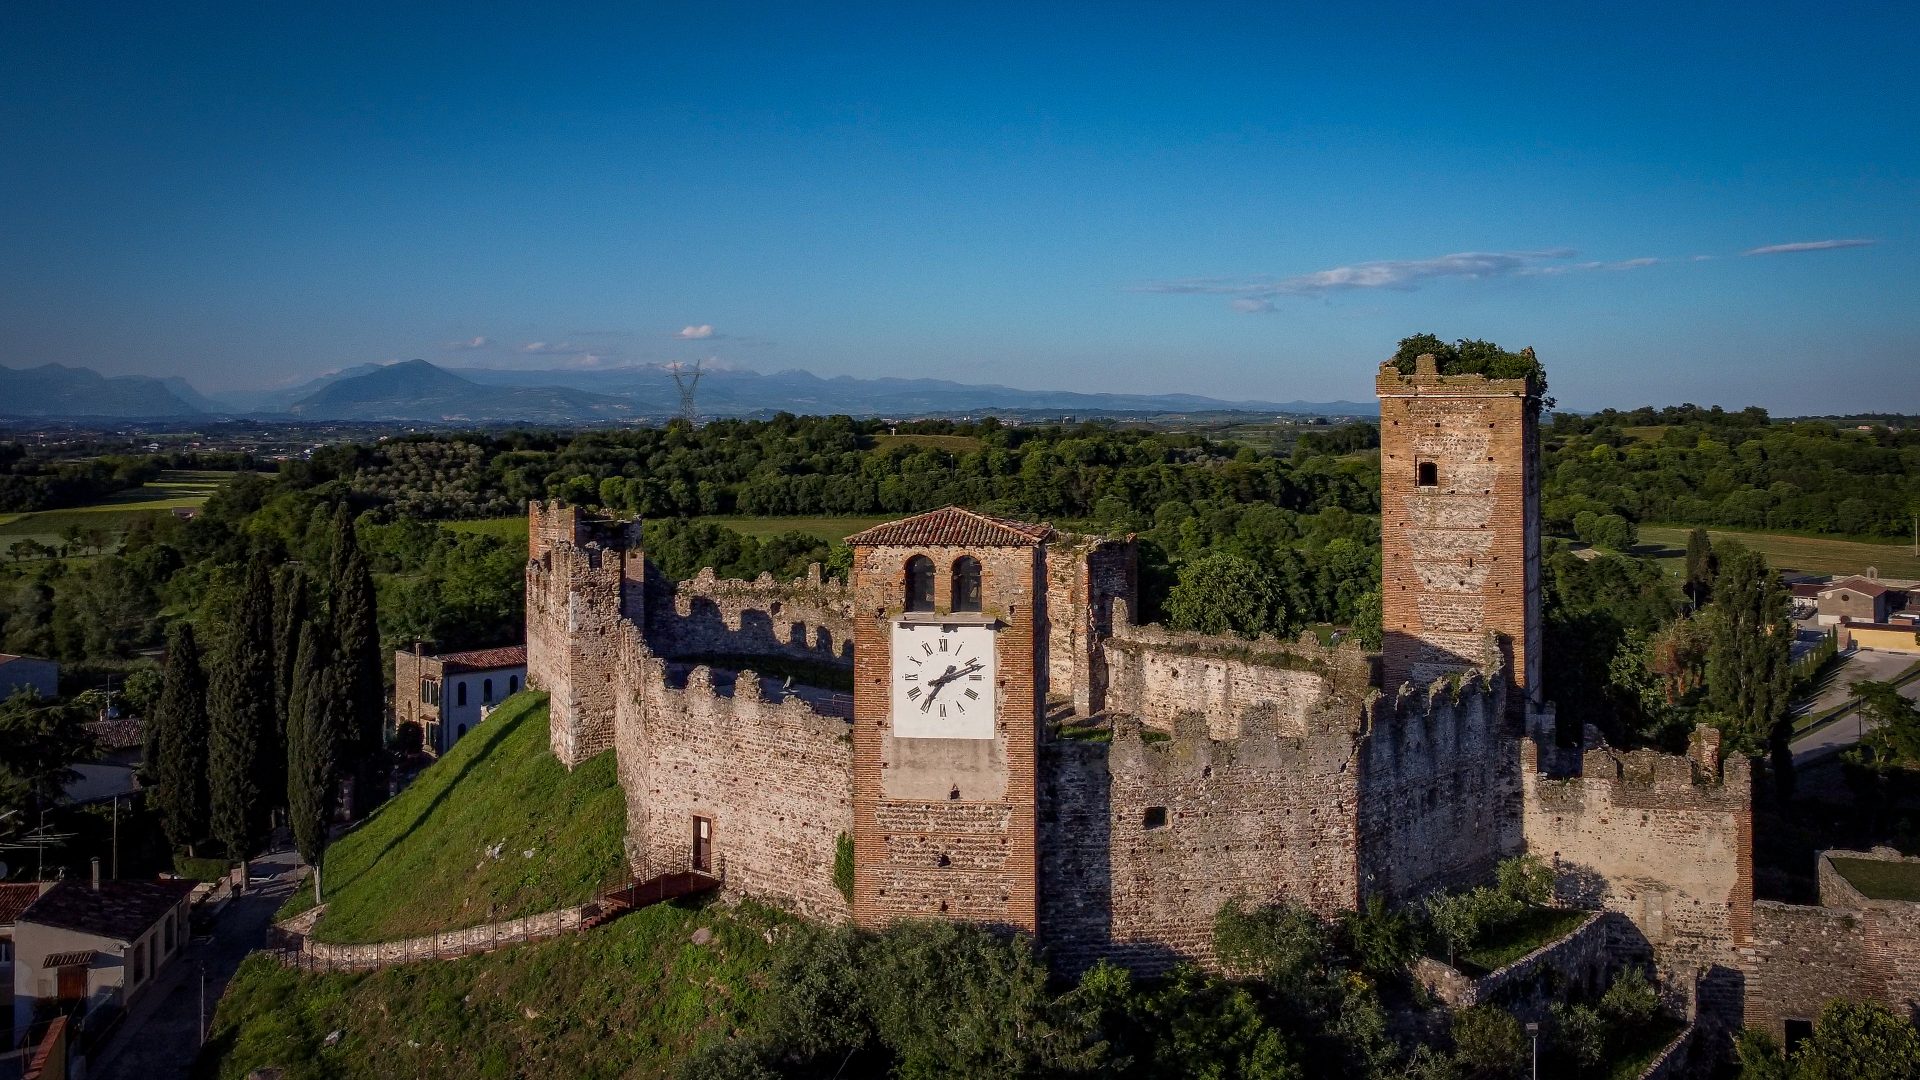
(494, 830)
(629, 999)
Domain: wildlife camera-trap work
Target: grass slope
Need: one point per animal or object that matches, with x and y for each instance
(1879, 880)
(420, 864)
(628, 999)
(1812, 554)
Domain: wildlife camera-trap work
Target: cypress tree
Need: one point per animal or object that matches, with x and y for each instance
(357, 653)
(178, 729)
(1749, 649)
(246, 763)
(1700, 566)
(313, 735)
(289, 622)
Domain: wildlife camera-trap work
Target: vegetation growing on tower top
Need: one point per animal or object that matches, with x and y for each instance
(1470, 356)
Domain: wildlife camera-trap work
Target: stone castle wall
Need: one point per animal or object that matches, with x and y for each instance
(1665, 840)
(584, 581)
(1086, 575)
(771, 772)
(807, 619)
(1143, 841)
(1849, 947)
(1439, 789)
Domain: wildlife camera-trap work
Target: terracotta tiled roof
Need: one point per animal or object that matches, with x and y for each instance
(122, 910)
(1860, 585)
(68, 959)
(14, 898)
(487, 659)
(953, 527)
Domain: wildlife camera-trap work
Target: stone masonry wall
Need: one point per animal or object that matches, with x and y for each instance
(772, 775)
(1154, 675)
(806, 619)
(1459, 555)
(1144, 841)
(1849, 947)
(1085, 575)
(584, 580)
(1665, 840)
(1439, 789)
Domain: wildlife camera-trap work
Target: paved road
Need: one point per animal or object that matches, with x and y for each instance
(1848, 730)
(161, 1036)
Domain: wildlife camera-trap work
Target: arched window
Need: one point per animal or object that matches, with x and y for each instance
(966, 583)
(486, 691)
(513, 685)
(459, 694)
(919, 583)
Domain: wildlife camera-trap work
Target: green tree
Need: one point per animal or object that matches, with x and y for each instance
(289, 621)
(1223, 593)
(1749, 646)
(356, 629)
(43, 740)
(1488, 1043)
(1700, 566)
(245, 761)
(1858, 1041)
(313, 735)
(1896, 717)
(1369, 622)
(179, 734)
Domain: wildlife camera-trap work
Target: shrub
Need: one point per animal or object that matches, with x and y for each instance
(1526, 879)
(1383, 941)
(1283, 943)
(1488, 1043)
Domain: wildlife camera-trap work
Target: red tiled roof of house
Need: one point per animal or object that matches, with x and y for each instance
(1807, 590)
(953, 526)
(122, 910)
(14, 898)
(1860, 585)
(486, 659)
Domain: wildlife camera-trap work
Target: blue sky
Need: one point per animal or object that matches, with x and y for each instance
(1242, 201)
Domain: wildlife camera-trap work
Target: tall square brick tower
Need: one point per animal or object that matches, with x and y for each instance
(1460, 539)
(950, 668)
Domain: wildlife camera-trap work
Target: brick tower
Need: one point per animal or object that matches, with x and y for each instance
(950, 668)
(1460, 526)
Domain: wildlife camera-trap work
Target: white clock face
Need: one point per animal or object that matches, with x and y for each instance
(942, 681)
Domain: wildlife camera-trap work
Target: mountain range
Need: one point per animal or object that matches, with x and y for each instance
(415, 391)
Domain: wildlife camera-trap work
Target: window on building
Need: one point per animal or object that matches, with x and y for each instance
(486, 691)
(919, 583)
(6, 950)
(966, 583)
(460, 694)
(513, 685)
(166, 936)
(1428, 474)
(1798, 1031)
(460, 733)
(1154, 818)
(426, 691)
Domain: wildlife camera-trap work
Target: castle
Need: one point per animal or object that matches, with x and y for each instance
(1016, 750)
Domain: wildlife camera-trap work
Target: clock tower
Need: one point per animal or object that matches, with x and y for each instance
(949, 640)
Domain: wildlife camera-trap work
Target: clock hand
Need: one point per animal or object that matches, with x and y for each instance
(933, 688)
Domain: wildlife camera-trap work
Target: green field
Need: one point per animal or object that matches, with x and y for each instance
(953, 444)
(1811, 554)
(494, 830)
(113, 515)
(830, 529)
(626, 1000)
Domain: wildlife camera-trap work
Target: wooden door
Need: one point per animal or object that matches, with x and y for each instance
(703, 845)
(71, 983)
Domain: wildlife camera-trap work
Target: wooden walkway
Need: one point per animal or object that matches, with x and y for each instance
(634, 895)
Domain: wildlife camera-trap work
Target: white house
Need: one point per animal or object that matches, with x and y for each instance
(449, 694)
(83, 946)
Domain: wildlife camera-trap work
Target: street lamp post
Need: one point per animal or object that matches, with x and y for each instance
(1533, 1033)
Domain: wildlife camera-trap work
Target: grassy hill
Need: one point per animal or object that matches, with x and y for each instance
(627, 999)
(1786, 551)
(494, 830)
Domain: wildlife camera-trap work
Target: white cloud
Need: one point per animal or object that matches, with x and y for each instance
(549, 348)
(1256, 294)
(695, 333)
(478, 341)
(1808, 245)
